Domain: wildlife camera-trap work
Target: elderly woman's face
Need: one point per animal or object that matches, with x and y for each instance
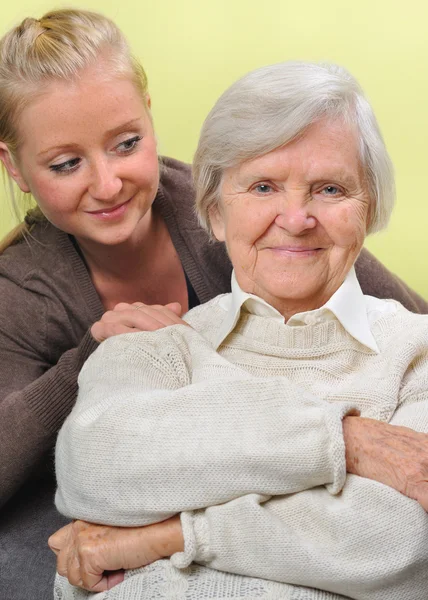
(294, 220)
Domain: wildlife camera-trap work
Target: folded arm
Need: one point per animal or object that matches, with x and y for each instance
(365, 543)
(369, 542)
(149, 438)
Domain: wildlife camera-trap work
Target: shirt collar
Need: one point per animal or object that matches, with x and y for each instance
(347, 305)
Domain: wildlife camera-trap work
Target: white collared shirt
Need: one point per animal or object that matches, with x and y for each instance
(355, 311)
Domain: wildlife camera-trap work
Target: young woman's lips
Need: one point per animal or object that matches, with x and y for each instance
(110, 214)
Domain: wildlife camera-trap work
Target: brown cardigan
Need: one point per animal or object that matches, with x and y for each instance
(47, 305)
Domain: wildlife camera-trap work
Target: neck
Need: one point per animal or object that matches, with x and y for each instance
(290, 307)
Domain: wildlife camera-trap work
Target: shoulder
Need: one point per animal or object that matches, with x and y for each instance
(203, 320)
(376, 280)
(149, 357)
(208, 318)
(394, 326)
(46, 282)
(37, 256)
(205, 261)
(176, 182)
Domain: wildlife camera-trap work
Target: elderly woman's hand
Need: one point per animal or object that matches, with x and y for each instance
(129, 318)
(94, 556)
(393, 455)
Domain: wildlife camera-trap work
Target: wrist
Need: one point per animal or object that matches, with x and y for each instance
(171, 539)
(365, 447)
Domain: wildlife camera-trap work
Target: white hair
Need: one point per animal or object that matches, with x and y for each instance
(271, 106)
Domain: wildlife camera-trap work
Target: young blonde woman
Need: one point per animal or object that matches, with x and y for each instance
(114, 231)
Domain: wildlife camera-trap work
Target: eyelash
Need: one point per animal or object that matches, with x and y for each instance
(69, 166)
(66, 167)
(260, 185)
(134, 141)
(339, 191)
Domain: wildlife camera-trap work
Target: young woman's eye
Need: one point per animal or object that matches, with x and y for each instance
(65, 167)
(128, 145)
(263, 188)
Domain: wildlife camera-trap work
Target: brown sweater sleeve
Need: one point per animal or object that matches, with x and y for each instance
(376, 280)
(35, 396)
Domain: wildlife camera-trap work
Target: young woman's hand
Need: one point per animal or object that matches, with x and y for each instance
(94, 557)
(129, 318)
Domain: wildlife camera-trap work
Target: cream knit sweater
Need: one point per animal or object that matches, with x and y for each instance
(165, 424)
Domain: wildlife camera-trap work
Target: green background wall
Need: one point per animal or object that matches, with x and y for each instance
(193, 49)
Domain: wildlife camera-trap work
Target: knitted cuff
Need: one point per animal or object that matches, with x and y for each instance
(334, 418)
(196, 540)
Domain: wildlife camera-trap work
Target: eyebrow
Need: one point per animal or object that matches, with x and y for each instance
(111, 132)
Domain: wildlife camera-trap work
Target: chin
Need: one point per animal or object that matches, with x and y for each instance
(106, 238)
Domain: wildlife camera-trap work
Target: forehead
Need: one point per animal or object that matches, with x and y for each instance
(327, 148)
(69, 111)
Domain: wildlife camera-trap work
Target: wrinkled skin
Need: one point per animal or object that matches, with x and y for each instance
(85, 551)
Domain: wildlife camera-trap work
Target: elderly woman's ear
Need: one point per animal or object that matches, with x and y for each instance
(217, 222)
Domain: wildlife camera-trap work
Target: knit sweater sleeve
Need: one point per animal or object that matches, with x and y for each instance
(35, 395)
(164, 424)
(368, 543)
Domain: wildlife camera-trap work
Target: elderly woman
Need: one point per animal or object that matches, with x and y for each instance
(247, 421)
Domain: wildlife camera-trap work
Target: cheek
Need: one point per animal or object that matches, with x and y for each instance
(56, 197)
(144, 171)
(346, 225)
(247, 221)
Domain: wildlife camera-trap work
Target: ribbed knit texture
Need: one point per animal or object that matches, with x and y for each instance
(165, 424)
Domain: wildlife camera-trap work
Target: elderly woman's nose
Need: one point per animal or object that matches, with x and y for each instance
(105, 183)
(295, 216)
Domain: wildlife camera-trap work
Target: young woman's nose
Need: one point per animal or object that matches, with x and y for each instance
(105, 183)
(294, 215)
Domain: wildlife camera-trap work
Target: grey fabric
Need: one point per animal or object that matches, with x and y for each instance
(27, 565)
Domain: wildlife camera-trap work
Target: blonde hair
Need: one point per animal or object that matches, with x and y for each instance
(273, 105)
(57, 47)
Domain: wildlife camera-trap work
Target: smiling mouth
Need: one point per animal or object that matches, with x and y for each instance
(291, 250)
(107, 211)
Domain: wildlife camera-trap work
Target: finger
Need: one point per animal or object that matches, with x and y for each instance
(139, 317)
(150, 318)
(74, 574)
(114, 578)
(102, 331)
(62, 562)
(175, 307)
(122, 306)
(160, 314)
(59, 538)
(93, 576)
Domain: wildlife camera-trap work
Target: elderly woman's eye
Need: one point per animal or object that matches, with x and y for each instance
(263, 188)
(332, 190)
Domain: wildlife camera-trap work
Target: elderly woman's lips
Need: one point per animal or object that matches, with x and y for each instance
(295, 251)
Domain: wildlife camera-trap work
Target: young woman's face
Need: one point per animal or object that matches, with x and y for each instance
(88, 156)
